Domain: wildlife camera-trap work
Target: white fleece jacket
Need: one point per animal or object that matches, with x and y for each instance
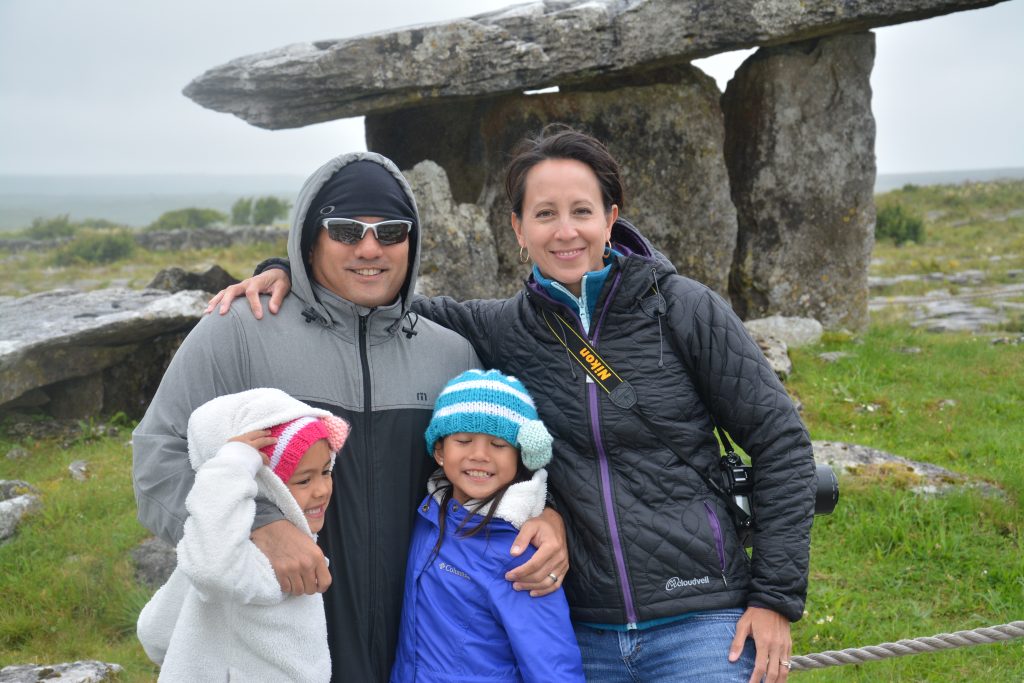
(222, 615)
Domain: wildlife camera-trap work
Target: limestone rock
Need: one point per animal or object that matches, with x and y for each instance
(17, 499)
(76, 345)
(800, 149)
(79, 470)
(458, 257)
(527, 46)
(664, 128)
(795, 332)
(776, 352)
(154, 561)
(920, 477)
(87, 671)
(176, 279)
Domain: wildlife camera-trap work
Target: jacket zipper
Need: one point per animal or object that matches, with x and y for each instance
(371, 482)
(606, 475)
(716, 530)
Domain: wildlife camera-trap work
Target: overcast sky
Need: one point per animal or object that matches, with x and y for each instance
(95, 87)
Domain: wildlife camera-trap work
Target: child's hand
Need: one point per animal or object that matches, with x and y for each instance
(258, 439)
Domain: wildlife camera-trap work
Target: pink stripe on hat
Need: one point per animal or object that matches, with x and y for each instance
(293, 440)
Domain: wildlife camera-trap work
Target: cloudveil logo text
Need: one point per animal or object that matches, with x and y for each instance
(675, 582)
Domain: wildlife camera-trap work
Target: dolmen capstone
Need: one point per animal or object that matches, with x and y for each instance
(765, 193)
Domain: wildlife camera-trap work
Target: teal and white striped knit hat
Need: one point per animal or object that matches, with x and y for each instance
(479, 402)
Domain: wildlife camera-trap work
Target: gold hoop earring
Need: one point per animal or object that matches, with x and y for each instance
(524, 256)
(608, 248)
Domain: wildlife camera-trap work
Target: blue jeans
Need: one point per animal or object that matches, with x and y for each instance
(692, 649)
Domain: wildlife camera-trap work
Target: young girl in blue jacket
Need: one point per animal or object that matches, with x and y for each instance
(461, 619)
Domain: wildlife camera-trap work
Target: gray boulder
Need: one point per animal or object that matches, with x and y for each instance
(800, 149)
(104, 350)
(176, 279)
(458, 256)
(88, 671)
(665, 129)
(795, 332)
(17, 499)
(527, 46)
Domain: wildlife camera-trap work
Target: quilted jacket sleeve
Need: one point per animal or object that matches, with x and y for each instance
(746, 398)
(477, 320)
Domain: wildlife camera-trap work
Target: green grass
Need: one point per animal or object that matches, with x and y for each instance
(888, 564)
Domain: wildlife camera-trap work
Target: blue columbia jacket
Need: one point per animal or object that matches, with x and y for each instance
(461, 620)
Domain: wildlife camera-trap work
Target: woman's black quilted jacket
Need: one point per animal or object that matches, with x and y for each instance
(647, 539)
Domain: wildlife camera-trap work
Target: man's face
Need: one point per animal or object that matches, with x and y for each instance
(365, 273)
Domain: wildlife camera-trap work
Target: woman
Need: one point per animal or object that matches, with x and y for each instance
(661, 587)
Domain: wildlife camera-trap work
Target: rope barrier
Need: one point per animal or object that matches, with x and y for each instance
(913, 646)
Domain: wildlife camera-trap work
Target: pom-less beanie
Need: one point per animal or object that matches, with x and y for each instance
(488, 402)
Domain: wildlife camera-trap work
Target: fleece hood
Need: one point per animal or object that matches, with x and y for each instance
(216, 421)
(302, 285)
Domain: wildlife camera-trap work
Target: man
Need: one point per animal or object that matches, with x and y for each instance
(344, 340)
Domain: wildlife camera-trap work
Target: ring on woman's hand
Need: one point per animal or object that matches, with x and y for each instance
(553, 577)
(786, 664)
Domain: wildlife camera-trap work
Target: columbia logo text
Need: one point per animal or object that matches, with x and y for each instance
(596, 366)
(445, 567)
(675, 582)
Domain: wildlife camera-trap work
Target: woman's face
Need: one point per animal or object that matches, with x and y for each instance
(564, 225)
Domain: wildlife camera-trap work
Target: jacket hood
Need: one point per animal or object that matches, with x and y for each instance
(302, 286)
(627, 240)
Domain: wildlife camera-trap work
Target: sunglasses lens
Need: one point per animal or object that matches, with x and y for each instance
(392, 232)
(344, 231)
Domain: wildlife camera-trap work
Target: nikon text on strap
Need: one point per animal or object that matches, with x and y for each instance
(622, 395)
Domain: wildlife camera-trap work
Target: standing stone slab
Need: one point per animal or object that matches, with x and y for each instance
(800, 149)
(458, 247)
(665, 129)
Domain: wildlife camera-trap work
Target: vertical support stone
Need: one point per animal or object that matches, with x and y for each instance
(799, 145)
(665, 128)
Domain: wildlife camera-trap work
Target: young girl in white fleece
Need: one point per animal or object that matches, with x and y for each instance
(222, 614)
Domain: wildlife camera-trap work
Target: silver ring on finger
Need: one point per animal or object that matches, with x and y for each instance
(553, 577)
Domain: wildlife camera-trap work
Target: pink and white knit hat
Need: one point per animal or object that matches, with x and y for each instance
(295, 437)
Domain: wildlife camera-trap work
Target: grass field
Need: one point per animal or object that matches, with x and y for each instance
(889, 564)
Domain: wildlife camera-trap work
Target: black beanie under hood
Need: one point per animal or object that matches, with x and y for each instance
(362, 188)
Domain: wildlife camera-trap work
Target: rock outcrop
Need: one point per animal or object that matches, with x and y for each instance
(800, 146)
(175, 279)
(84, 353)
(522, 47)
(17, 499)
(86, 671)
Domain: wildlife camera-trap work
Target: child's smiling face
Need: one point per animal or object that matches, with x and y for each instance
(311, 484)
(477, 465)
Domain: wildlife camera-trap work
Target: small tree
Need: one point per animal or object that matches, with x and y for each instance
(189, 218)
(266, 210)
(241, 211)
(898, 224)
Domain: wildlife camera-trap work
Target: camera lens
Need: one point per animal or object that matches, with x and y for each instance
(827, 494)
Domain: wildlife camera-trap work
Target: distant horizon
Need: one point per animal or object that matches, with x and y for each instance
(138, 199)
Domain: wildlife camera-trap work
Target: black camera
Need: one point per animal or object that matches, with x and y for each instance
(739, 484)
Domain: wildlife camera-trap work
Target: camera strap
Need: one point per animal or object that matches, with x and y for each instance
(622, 395)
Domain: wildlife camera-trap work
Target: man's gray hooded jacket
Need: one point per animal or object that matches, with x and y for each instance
(381, 369)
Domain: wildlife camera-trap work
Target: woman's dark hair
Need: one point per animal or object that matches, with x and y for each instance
(447, 492)
(559, 141)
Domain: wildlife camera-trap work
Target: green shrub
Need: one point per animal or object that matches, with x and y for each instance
(241, 211)
(51, 228)
(189, 218)
(266, 210)
(96, 246)
(899, 224)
